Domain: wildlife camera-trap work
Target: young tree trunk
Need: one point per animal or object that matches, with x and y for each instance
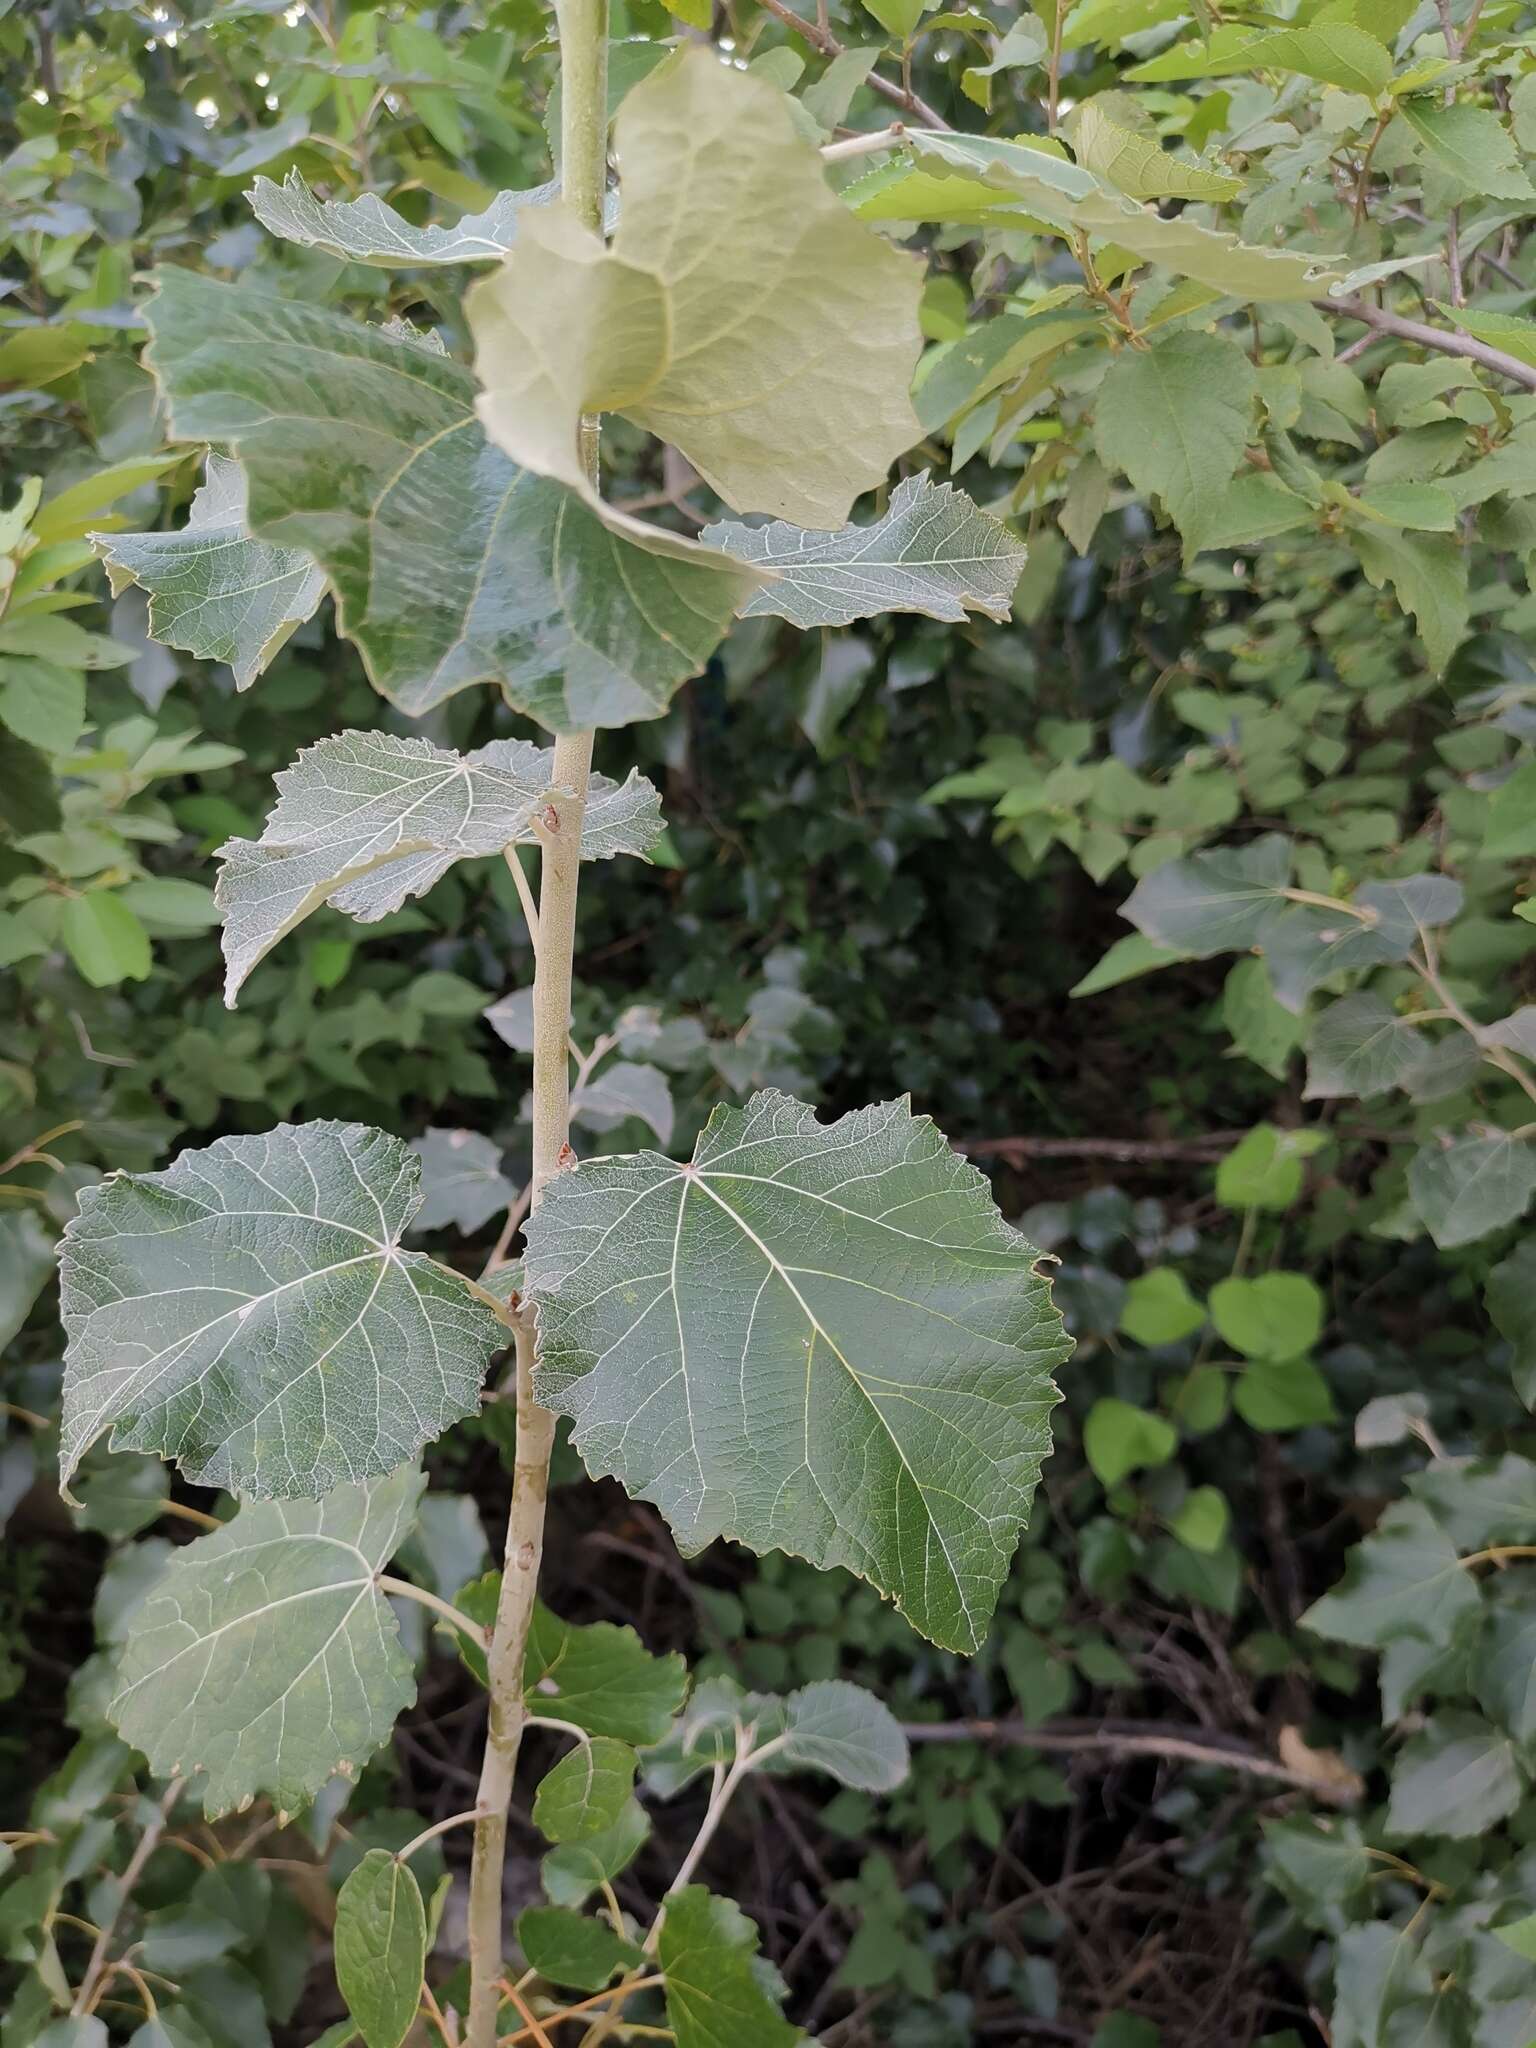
(583, 170)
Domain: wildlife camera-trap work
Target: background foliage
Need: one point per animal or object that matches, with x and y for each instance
(1248, 1756)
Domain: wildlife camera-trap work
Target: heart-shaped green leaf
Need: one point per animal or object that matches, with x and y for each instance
(265, 1655)
(817, 1338)
(250, 1312)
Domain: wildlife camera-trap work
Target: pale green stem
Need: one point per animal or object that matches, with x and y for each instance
(583, 28)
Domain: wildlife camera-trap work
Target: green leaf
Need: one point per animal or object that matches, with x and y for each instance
(847, 1732)
(1069, 198)
(1138, 165)
(1261, 1028)
(1506, 331)
(600, 1677)
(1471, 143)
(1509, 1294)
(569, 1948)
(1276, 1394)
(42, 702)
(1224, 901)
(1159, 1308)
(381, 1948)
(212, 589)
(715, 1997)
(587, 1790)
(1520, 1935)
(1405, 1579)
(1479, 1501)
(1264, 1170)
(450, 566)
(249, 1312)
(1473, 1185)
(66, 514)
(1511, 828)
(575, 1870)
(1308, 945)
(1202, 1520)
(1504, 1668)
(367, 231)
(1119, 1438)
(1277, 1316)
(1333, 52)
(365, 820)
(1126, 959)
(933, 552)
(1428, 572)
(461, 1183)
(1176, 418)
(724, 204)
(1361, 1046)
(622, 1089)
(264, 1653)
(1457, 1777)
(104, 939)
(26, 1267)
(855, 1277)
(829, 1726)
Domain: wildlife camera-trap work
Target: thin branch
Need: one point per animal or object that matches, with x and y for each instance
(452, 1615)
(822, 39)
(454, 1820)
(524, 894)
(183, 1513)
(98, 1965)
(1128, 1739)
(563, 1727)
(864, 145)
(1440, 339)
(515, 1214)
(1206, 1145)
(1496, 1055)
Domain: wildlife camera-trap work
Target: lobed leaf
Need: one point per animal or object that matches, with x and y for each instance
(367, 231)
(249, 1312)
(213, 590)
(933, 551)
(715, 1997)
(816, 1338)
(264, 1654)
(450, 565)
(365, 820)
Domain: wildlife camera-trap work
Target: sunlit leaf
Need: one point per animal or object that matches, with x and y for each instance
(212, 589)
(933, 552)
(450, 565)
(794, 403)
(365, 230)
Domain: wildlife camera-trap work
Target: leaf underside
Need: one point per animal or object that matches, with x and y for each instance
(365, 230)
(265, 1655)
(933, 552)
(214, 591)
(365, 820)
(741, 312)
(450, 565)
